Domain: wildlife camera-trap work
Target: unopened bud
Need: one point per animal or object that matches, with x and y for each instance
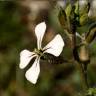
(91, 34)
(62, 18)
(83, 19)
(68, 9)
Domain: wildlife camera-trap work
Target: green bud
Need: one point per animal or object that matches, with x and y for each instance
(91, 34)
(62, 18)
(84, 7)
(68, 10)
(76, 8)
(83, 19)
(92, 11)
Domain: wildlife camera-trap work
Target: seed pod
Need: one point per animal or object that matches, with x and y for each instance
(62, 18)
(91, 34)
(83, 54)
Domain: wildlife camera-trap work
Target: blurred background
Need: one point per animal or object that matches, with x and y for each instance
(18, 19)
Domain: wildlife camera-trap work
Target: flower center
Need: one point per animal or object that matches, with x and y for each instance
(39, 52)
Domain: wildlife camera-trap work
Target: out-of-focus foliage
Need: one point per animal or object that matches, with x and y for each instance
(91, 91)
(11, 31)
(55, 79)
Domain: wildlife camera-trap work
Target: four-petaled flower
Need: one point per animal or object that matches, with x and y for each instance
(54, 47)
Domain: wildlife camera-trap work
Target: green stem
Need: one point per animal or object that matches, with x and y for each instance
(68, 34)
(84, 68)
(84, 77)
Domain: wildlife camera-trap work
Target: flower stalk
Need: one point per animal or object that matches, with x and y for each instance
(70, 20)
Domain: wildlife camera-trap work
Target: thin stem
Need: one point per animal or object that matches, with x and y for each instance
(83, 71)
(84, 77)
(68, 34)
(84, 68)
(73, 26)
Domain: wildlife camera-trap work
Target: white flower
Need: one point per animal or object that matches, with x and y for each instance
(54, 47)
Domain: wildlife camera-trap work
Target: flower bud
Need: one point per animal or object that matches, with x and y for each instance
(77, 8)
(62, 18)
(84, 6)
(92, 11)
(91, 34)
(83, 19)
(68, 10)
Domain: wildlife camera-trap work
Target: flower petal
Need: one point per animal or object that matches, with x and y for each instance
(39, 31)
(33, 73)
(25, 57)
(55, 47)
